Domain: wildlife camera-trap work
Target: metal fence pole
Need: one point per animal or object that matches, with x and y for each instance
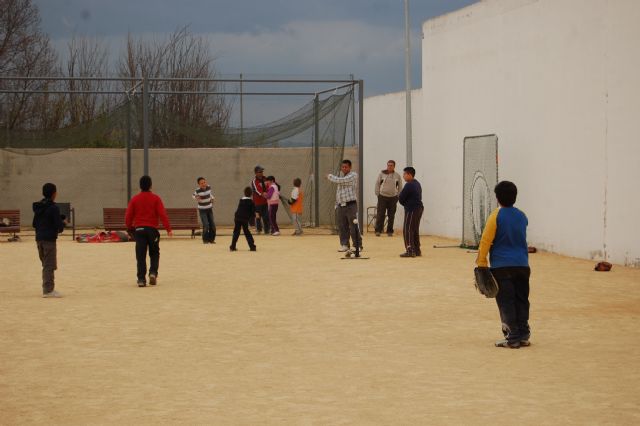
(316, 158)
(241, 113)
(145, 123)
(128, 150)
(361, 151)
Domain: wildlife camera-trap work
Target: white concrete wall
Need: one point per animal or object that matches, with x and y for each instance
(385, 139)
(556, 80)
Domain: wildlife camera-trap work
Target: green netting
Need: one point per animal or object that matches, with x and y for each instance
(107, 130)
(182, 148)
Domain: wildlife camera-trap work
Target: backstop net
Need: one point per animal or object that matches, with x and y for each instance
(480, 173)
(88, 158)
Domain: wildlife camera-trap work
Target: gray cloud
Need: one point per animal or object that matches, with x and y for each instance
(275, 37)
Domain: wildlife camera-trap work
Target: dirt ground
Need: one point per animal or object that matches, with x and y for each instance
(292, 334)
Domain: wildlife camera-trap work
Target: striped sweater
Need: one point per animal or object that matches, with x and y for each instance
(204, 197)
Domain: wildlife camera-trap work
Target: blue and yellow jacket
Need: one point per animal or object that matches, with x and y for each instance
(505, 239)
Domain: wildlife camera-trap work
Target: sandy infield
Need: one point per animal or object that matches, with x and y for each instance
(291, 334)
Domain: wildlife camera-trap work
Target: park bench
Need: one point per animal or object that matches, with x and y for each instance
(10, 223)
(180, 218)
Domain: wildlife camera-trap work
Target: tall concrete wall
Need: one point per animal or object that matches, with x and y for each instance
(95, 178)
(556, 80)
(385, 139)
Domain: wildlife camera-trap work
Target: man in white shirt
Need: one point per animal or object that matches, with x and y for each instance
(347, 206)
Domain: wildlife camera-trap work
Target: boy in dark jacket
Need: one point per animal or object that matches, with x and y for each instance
(246, 210)
(48, 224)
(411, 198)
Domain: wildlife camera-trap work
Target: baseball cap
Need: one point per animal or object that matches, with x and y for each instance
(257, 169)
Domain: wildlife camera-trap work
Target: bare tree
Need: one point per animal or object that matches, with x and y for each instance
(86, 58)
(182, 56)
(24, 51)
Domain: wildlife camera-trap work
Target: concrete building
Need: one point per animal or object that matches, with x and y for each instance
(556, 81)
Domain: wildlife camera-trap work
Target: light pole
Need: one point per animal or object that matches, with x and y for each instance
(407, 77)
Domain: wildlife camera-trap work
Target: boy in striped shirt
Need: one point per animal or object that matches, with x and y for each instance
(204, 197)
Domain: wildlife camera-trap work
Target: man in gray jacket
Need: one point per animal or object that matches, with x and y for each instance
(387, 187)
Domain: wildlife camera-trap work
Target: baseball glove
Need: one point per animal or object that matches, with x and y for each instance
(603, 266)
(485, 282)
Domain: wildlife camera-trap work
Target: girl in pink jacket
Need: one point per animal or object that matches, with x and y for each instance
(273, 199)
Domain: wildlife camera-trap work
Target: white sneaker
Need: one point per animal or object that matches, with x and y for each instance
(275, 234)
(343, 249)
(52, 294)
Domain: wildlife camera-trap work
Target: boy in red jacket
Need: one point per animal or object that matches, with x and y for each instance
(143, 213)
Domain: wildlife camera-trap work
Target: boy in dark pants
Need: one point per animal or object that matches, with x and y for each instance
(411, 198)
(505, 240)
(48, 224)
(143, 213)
(246, 210)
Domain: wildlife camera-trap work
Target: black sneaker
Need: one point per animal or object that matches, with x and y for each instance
(232, 248)
(408, 254)
(141, 283)
(252, 248)
(506, 344)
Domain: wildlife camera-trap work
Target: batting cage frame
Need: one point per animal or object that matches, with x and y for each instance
(138, 125)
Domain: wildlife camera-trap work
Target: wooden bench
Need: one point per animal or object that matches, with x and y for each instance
(13, 227)
(179, 218)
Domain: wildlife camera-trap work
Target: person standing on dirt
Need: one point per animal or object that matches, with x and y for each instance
(259, 188)
(347, 206)
(144, 212)
(387, 187)
(411, 199)
(48, 224)
(204, 196)
(504, 240)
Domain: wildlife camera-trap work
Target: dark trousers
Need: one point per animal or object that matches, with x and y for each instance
(386, 207)
(345, 217)
(513, 301)
(263, 219)
(245, 230)
(208, 225)
(273, 212)
(147, 238)
(48, 253)
(411, 230)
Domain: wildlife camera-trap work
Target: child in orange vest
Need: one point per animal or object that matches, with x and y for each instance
(296, 201)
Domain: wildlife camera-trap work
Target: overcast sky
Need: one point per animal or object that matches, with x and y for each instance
(319, 38)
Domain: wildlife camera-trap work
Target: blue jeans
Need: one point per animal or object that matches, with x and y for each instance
(208, 225)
